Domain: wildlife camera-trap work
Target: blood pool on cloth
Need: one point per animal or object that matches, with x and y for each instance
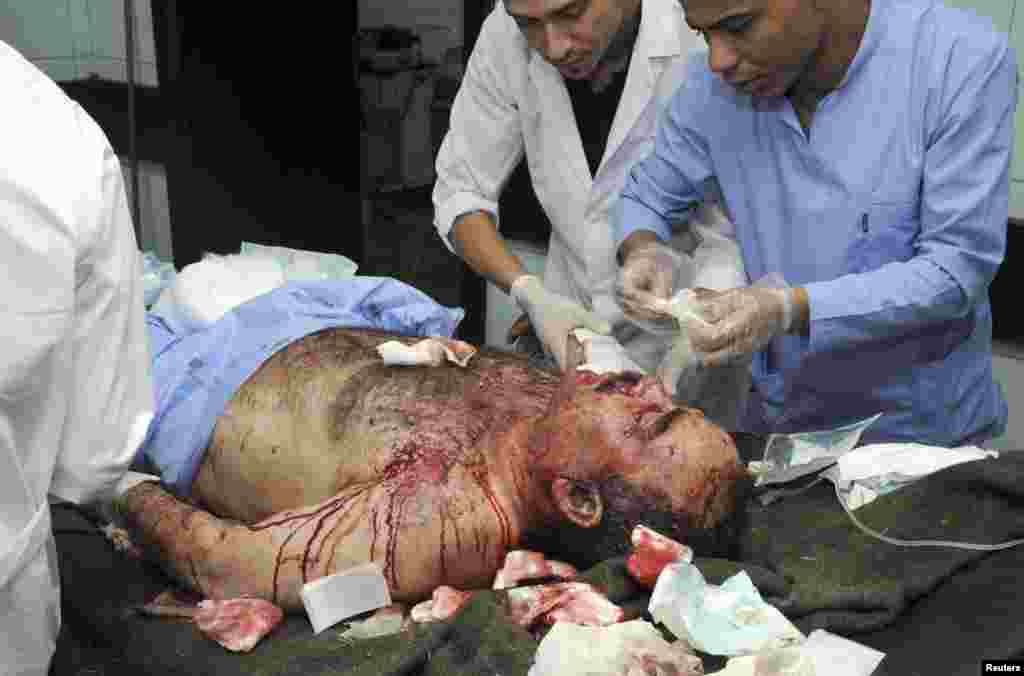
(576, 602)
(522, 564)
(237, 624)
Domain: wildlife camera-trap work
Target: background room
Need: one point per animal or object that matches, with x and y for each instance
(242, 124)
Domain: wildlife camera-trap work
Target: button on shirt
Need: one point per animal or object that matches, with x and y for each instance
(891, 210)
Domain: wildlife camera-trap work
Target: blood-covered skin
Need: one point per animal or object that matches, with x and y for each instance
(326, 459)
(522, 564)
(576, 602)
(237, 624)
(444, 603)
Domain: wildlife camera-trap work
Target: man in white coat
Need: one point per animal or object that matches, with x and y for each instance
(577, 86)
(75, 393)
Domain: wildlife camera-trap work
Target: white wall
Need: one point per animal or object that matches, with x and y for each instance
(437, 22)
(77, 39)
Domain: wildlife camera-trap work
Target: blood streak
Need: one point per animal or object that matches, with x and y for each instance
(443, 435)
(481, 544)
(480, 476)
(316, 516)
(412, 467)
(444, 521)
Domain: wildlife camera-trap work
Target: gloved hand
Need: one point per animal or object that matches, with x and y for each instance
(740, 322)
(553, 317)
(646, 281)
(680, 368)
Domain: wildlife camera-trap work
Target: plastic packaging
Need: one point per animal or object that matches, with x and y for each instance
(730, 619)
(299, 265)
(206, 290)
(657, 318)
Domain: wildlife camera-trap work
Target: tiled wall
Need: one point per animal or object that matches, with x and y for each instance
(77, 39)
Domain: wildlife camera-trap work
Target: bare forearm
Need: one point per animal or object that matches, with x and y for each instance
(189, 543)
(476, 240)
(224, 559)
(390, 523)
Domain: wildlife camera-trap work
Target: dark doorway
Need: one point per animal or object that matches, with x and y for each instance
(265, 112)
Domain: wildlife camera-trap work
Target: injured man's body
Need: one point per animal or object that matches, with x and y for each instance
(326, 458)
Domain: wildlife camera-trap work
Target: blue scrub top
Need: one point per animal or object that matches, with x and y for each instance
(891, 212)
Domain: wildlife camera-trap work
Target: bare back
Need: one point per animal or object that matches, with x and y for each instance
(325, 414)
(326, 458)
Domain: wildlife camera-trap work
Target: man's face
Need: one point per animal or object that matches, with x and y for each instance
(571, 34)
(761, 47)
(653, 463)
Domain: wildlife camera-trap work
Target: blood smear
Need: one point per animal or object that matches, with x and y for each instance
(237, 624)
(653, 551)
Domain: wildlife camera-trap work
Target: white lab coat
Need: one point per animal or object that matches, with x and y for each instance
(513, 101)
(75, 392)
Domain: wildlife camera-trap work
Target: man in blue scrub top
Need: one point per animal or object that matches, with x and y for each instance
(863, 151)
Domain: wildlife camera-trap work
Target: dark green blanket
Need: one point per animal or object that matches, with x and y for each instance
(931, 610)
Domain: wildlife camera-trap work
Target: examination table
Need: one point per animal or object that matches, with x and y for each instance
(932, 610)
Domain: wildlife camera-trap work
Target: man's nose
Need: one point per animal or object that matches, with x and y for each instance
(556, 43)
(722, 58)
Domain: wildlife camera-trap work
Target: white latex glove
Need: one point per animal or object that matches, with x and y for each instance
(647, 280)
(552, 316)
(739, 322)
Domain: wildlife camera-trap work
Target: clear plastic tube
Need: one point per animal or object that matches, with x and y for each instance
(923, 543)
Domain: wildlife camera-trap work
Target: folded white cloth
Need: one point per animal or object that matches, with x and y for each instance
(427, 352)
(864, 473)
(604, 354)
(634, 647)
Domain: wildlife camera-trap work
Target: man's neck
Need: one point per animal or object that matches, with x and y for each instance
(514, 477)
(848, 21)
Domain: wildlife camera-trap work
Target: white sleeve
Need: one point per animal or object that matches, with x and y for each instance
(111, 403)
(484, 142)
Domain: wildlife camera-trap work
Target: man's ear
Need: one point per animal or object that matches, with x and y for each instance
(578, 501)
